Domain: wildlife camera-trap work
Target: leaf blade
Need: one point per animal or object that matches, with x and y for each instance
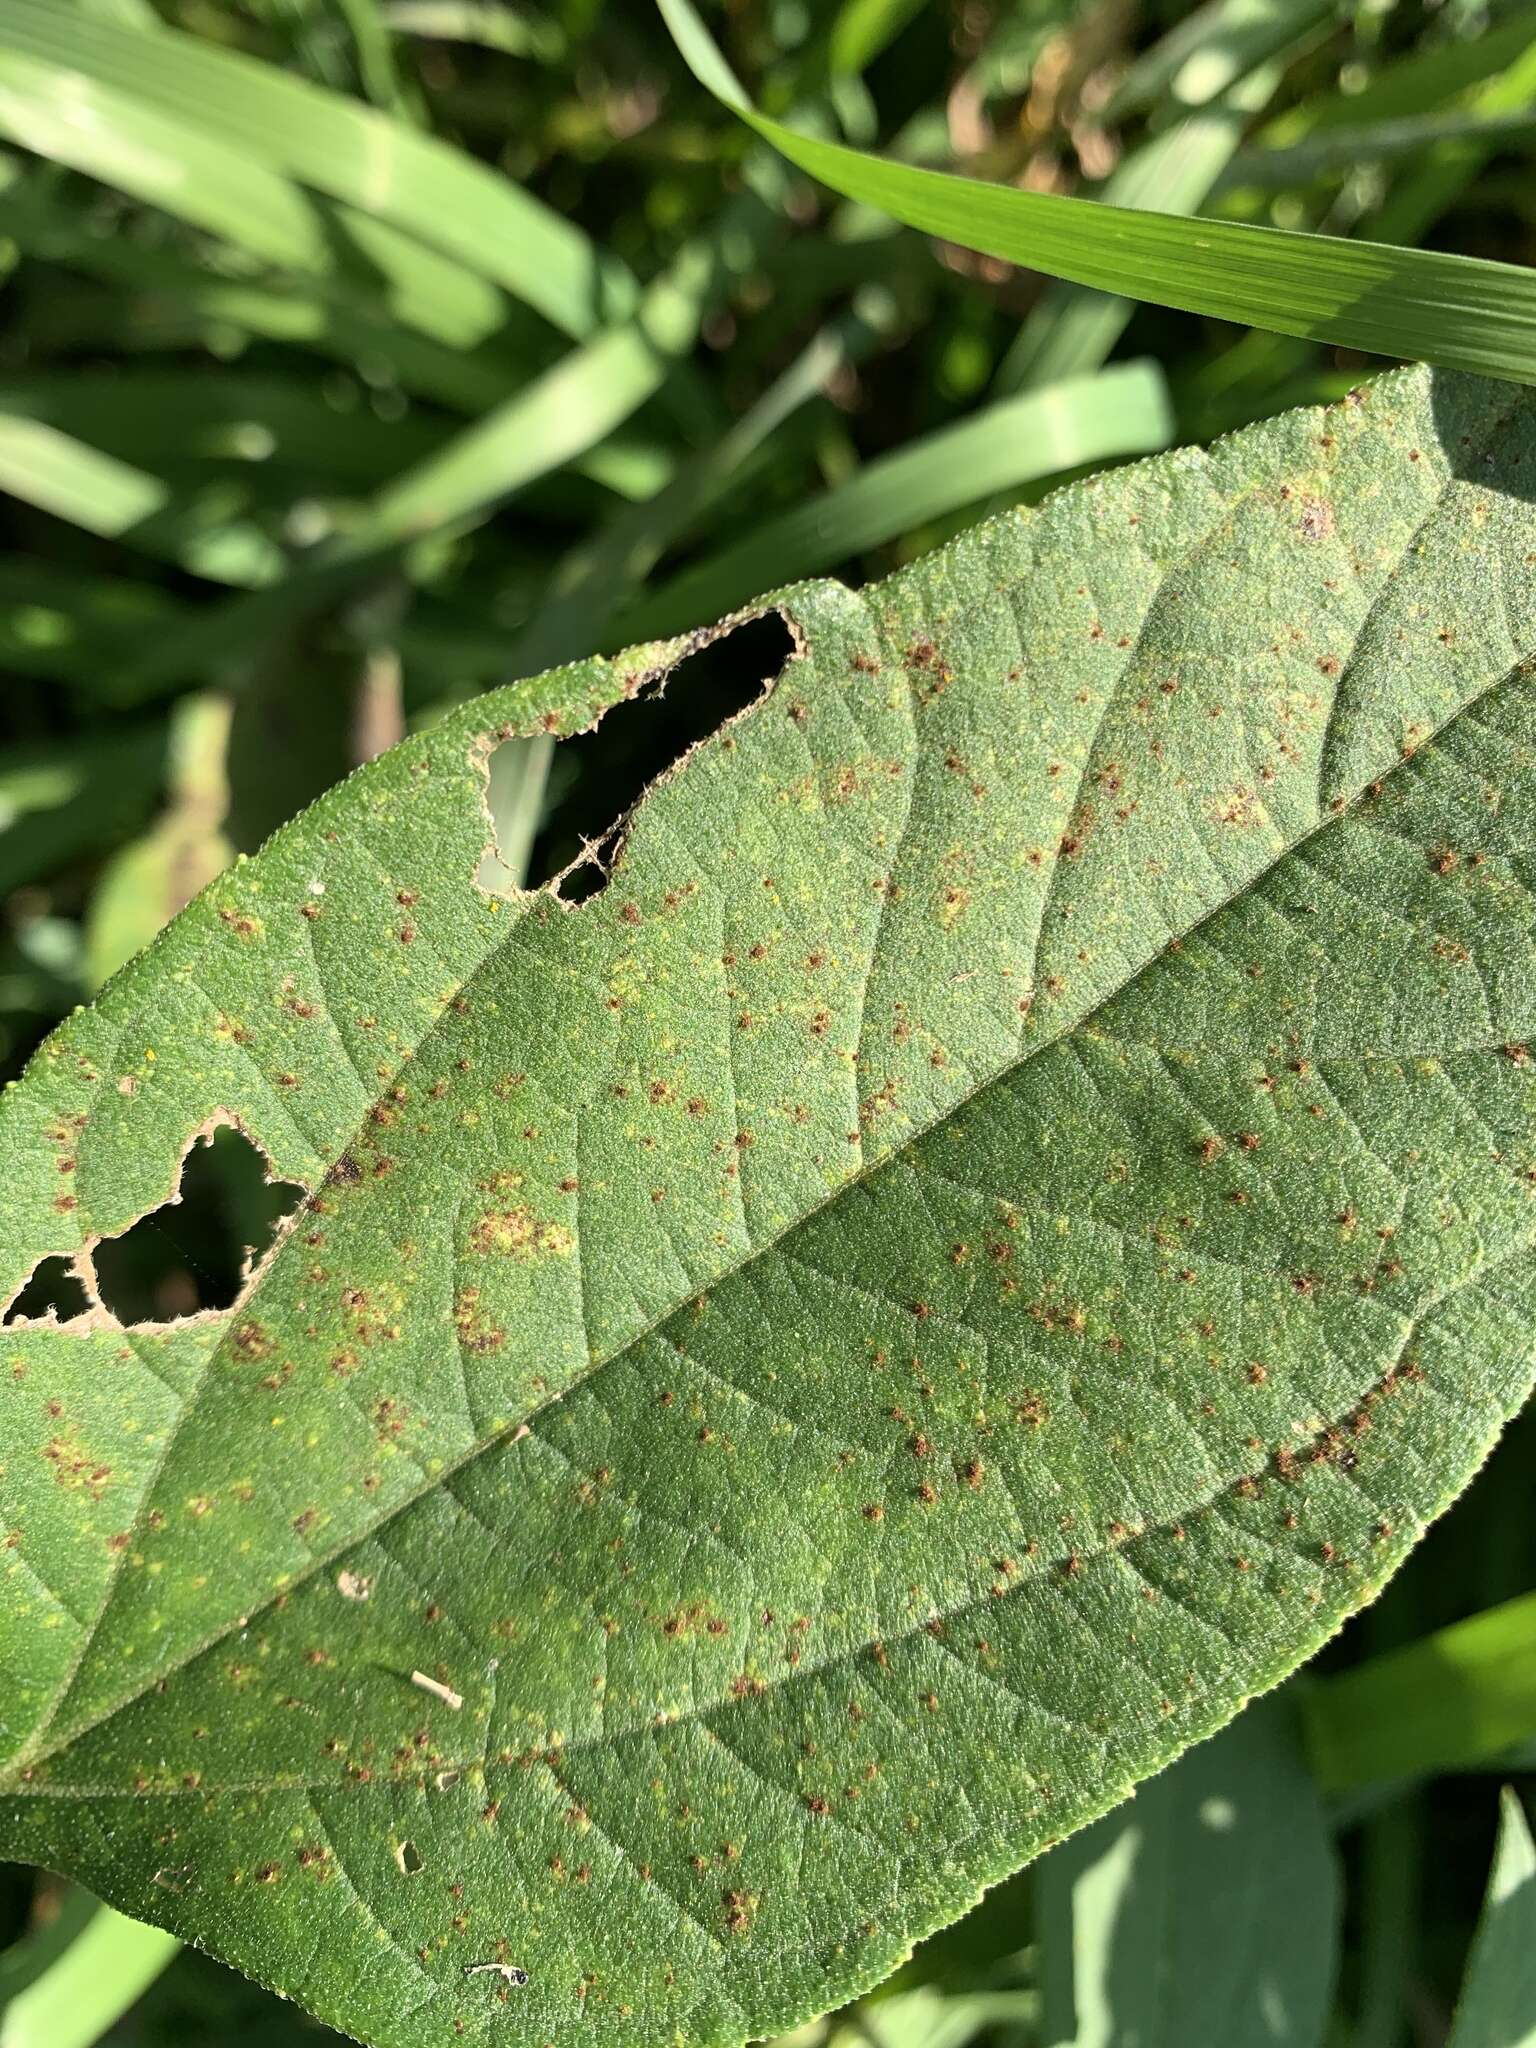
(105, 1966)
(1456, 311)
(516, 1411)
(1498, 1996)
(1456, 1699)
(396, 178)
(1078, 420)
(1234, 1837)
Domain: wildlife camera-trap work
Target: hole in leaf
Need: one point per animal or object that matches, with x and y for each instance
(54, 1288)
(597, 777)
(195, 1251)
(408, 1859)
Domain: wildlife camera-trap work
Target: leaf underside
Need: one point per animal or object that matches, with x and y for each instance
(986, 1239)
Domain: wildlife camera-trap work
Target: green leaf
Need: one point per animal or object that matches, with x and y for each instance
(166, 159)
(186, 125)
(1210, 49)
(1455, 1700)
(208, 535)
(1341, 150)
(375, 53)
(1070, 330)
(155, 874)
(1121, 411)
(802, 1376)
(1206, 1910)
(59, 622)
(58, 802)
(1429, 76)
(256, 424)
(490, 23)
(580, 400)
(64, 1987)
(159, 299)
(1497, 2008)
(598, 574)
(1461, 312)
(862, 28)
(553, 420)
(925, 2018)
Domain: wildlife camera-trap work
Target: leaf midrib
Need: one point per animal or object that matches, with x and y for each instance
(33, 1755)
(35, 1751)
(1029, 1576)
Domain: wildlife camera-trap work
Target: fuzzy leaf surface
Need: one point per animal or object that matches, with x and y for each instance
(803, 1376)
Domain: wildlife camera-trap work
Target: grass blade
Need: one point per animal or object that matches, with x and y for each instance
(94, 125)
(861, 29)
(1122, 411)
(1073, 329)
(1234, 1836)
(59, 622)
(375, 53)
(423, 325)
(56, 802)
(1337, 151)
(1454, 1700)
(1209, 50)
(483, 22)
(104, 1963)
(118, 501)
(258, 423)
(595, 581)
(147, 881)
(1497, 2008)
(557, 419)
(392, 174)
(1429, 78)
(1458, 311)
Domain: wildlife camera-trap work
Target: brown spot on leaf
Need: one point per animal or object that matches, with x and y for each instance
(519, 1233)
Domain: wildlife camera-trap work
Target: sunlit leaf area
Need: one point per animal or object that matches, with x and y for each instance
(768, 1021)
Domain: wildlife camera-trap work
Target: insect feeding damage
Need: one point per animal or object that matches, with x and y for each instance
(182, 1263)
(1022, 1288)
(707, 681)
(100, 1285)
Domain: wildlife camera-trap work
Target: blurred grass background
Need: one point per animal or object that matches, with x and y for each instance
(360, 355)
